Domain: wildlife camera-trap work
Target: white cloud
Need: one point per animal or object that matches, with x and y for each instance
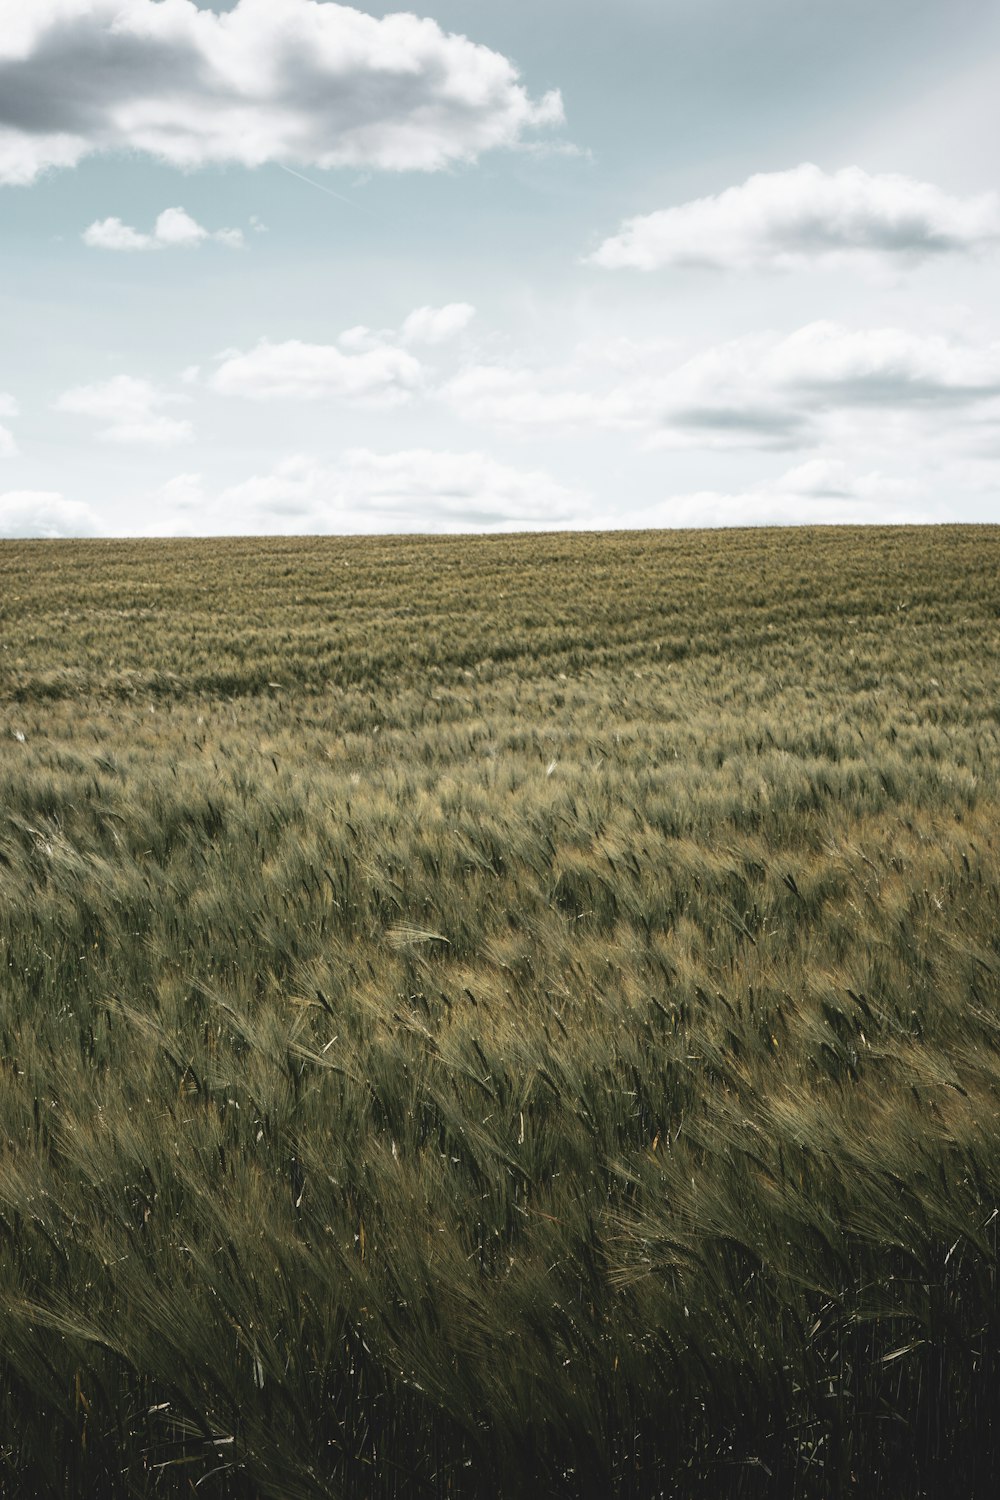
(361, 338)
(760, 391)
(825, 478)
(291, 81)
(129, 411)
(882, 366)
(779, 220)
(22, 157)
(434, 491)
(174, 228)
(43, 513)
(772, 391)
(764, 507)
(435, 325)
(379, 375)
(417, 490)
(821, 492)
(113, 234)
(708, 402)
(457, 491)
(424, 325)
(366, 367)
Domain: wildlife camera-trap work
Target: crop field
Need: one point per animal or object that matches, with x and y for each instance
(501, 1017)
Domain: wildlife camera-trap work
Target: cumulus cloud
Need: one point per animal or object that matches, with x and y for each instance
(44, 513)
(769, 391)
(128, 411)
(882, 366)
(366, 367)
(414, 490)
(435, 325)
(290, 81)
(760, 391)
(174, 228)
(780, 220)
(376, 376)
(424, 325)
(113, 234)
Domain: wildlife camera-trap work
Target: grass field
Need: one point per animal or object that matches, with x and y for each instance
(501, 1017)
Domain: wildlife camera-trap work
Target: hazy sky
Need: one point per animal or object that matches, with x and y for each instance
(291, 266)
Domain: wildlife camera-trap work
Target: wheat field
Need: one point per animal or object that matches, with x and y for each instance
(503, 1016)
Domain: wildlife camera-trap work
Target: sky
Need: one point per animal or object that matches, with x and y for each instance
(290, 266)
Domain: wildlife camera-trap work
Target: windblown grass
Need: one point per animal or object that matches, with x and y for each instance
(501, 1017)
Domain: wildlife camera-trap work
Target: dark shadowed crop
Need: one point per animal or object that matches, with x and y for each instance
(501, 1017)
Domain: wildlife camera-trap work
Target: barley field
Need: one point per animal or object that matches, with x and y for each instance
(501, 1017)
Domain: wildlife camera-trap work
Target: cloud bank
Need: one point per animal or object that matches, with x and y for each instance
(290, 81)
(821, 492)
(174, 229)
(759, 391)
(44, 513)
(781, 220)
(424, 490)
(414, 490)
